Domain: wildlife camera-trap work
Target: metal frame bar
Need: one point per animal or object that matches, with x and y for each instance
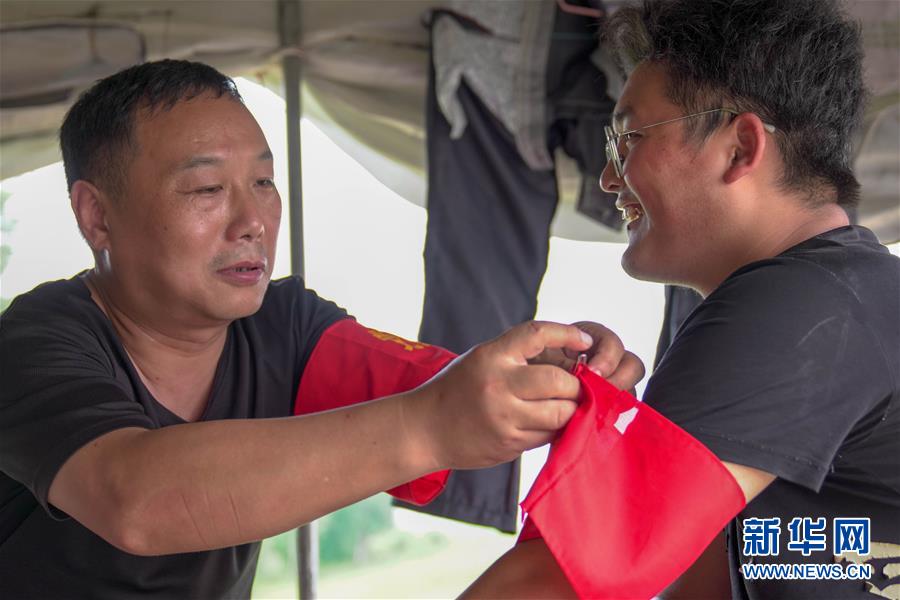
(289, 29)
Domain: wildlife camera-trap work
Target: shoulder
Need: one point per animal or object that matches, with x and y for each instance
(291, 320)
(55, 333)
(289, 300)
(777, 302)
(52, 297)
(764, 369)
(291, 290)
(833, 287)
(848, 262)
(807, 309)
(58, 310)
(841, 275)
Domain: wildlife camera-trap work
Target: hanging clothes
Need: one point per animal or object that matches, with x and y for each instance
(511, 83)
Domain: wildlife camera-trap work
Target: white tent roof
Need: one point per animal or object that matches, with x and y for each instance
(364, 72)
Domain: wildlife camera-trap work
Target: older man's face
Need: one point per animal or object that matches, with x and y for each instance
(668, 188)
(193, 235)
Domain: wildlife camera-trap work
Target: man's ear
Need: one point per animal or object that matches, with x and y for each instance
(748, 146)
(90, 208)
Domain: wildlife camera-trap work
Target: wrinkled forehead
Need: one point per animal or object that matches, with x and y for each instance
(202, 125)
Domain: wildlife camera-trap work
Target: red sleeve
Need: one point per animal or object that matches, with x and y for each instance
(352, 364)
(627, 500)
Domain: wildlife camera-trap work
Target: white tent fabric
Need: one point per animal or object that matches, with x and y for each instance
(364, 69)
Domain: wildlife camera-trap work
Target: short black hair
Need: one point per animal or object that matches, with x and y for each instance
(96, 136)
(795, 63)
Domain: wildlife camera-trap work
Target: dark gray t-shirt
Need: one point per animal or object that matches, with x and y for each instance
(791, 366)
(66, 380)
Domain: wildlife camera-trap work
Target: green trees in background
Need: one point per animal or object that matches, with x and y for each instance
(344, 539)
(343, 534)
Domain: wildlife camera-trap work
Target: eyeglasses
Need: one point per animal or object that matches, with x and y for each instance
(612, 138)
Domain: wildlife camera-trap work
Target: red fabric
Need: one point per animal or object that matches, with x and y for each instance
(625, 514)
(352, 364)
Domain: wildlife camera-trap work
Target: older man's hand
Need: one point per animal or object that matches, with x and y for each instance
(513, 393)
(607, 357)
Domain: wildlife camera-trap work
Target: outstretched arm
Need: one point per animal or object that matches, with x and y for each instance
(206, 485)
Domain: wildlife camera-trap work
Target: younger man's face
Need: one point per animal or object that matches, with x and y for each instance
(667, 189)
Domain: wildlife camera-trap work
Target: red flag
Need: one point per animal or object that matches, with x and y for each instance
(627, 500)
(352, 364)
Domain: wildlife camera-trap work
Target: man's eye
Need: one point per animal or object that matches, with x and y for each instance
(208, 189)
(265, 182)
(631, 137)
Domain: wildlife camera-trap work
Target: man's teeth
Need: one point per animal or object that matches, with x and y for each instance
(241, 269)
(631, 213)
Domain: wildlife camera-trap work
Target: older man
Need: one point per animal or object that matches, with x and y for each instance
(146, 436)
(730, 155)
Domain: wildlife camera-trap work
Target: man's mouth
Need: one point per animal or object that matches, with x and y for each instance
(246, 272)
(245, 267)
(631, 213)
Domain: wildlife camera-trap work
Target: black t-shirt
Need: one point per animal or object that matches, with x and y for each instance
(66, 380)
(791, 366)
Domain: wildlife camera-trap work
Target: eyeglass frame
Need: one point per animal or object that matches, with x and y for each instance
(612, 138)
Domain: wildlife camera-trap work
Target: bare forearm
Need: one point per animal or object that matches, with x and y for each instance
(707, 578)
(528, 570)
(206, 485)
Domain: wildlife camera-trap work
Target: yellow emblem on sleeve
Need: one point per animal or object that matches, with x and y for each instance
(388, 337)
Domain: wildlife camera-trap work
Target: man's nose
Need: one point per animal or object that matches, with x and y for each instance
(609, 180)
(247, 220)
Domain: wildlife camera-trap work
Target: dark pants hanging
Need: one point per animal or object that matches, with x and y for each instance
(485, 254)
(488, 231)
(484, 197)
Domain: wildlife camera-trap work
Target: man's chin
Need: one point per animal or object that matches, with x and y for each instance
(239, 308)
(632, 265)
(638, 267)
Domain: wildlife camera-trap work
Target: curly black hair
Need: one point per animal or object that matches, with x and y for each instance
(96, 136)
(795, 63)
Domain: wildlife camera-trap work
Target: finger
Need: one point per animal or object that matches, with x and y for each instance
(529, 339)
(629, 372)
(537, 382)
(573, 354)
(566, 363)
(566, 358)
(553, 356)
(607, 350)
(544, 415)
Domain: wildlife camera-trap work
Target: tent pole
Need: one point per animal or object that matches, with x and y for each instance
(289, 27)
(290, 64)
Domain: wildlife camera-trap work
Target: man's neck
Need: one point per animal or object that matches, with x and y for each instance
(178, 370)
(790, 226)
